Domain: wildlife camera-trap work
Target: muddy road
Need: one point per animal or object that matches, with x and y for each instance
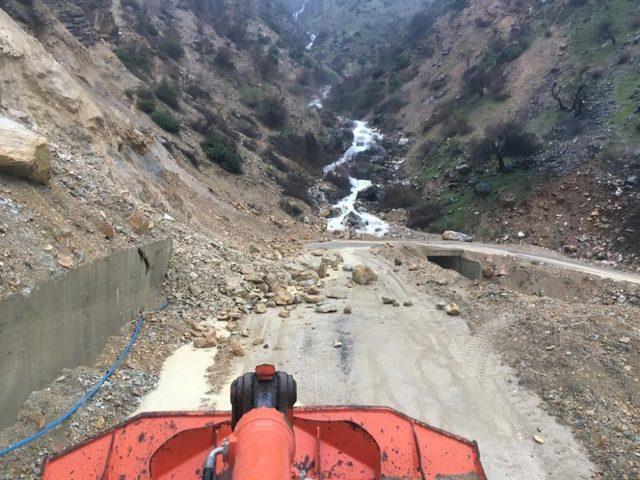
(418, 360)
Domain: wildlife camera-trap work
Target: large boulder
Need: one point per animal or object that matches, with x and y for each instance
(24, 153)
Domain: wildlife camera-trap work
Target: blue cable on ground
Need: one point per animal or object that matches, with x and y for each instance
(88, 397)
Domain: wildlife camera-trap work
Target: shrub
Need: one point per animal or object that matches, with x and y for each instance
(296, 184)
(166, 121)
(136, 59)
(196, 91)
(273, 112)
(168, 93)
(456, 124)
(290, 209)
(146, 101)
(171, 47)
(144, 26)
(220, 151)
(424, 214)
(224, 59)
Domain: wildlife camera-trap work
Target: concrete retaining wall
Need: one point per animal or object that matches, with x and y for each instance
(66, 322)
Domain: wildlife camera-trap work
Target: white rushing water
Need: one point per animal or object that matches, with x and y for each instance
(297, 14)
(317, 101)
(312, 40)
(364, 138)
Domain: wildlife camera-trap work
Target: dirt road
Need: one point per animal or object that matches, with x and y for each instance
(542, 256)
(420, 361)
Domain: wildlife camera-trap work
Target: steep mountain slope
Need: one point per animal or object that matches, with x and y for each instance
(345, 33)
(547, 89)
(150, 109)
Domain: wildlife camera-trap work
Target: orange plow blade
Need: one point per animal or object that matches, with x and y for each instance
(330, 443)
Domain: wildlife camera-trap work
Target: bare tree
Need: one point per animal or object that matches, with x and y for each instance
(502, 140)
(578, 101)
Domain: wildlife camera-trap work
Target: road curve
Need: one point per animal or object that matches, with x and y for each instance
(550, 258)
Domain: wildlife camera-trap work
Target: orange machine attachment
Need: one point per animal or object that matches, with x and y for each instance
(265, 438)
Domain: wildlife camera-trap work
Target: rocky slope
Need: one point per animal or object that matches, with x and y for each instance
(147, 113)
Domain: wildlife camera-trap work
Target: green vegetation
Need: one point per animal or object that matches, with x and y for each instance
(626, 91)
(171, 47)
(168, 92)
(146, 101)
(222, 152)
(273, 111)
(136, 59)
(165, 120)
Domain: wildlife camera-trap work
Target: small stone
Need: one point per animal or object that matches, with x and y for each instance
(388, 301)
(260, 308)
(337, 344)
(208, 341)
(65, 261)
(138, 222)
(397, 262)
(309, 298)
(452, 309)
(318, 253)
(347, 310)
(440, 306)
(106, 229)
(538, 439)
(570, 249)
(326, 307)
(624, 340)
(283, 296)
(284, 314)
(408, 303)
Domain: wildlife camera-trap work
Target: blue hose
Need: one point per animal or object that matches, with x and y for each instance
(88, 397)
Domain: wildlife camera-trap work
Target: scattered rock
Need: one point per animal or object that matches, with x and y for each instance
(208, 341)
(624, 340)
(388, 301)
(337, 344)
(363, 275)
(456, 236)
(236, 348)
(326, 307)
(311, 298)
(283, 296)
(570, 249)
(538, 439)
(397, 262)
(106, 229)
(452, 309)
(284, 314)
(347, 310)
(488, 272)
(65, 261)
(408, 303)
(483, 189)
(260, 308)
(441, 306)
(138, 222)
